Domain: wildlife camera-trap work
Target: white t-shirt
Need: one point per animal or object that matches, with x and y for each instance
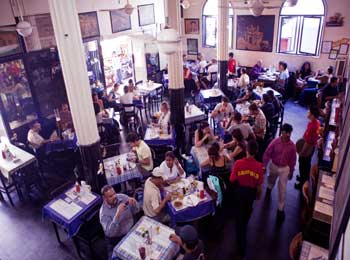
(245, 129)
(169, 174)
(143, 151)
(163, 121)
(201, 65)
(35, 139)
(212, 69)
(151, 198)
(284, 74)
(243, 81)
(127, 99)
(229, 109)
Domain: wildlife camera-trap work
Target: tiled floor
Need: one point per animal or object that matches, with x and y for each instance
(24, 235)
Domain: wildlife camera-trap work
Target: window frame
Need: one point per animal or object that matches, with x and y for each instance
(204, 34)
(299, 31)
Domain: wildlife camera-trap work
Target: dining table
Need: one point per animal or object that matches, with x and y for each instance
(261, 91)
(68, 208)
(148, 237)
(188, 205)
(121, 168)
(155, 136)
(210, 96)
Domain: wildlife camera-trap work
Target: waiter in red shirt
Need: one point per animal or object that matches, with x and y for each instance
(310, 140)
(247, 175)
(231, 64)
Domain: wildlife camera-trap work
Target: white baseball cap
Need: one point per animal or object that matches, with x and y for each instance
(157, 172)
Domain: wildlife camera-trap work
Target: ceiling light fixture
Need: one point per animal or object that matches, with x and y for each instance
(23, 28)
(257, 8)
(185, 4)
(128, 8)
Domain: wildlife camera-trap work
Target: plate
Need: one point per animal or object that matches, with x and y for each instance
(178, 204)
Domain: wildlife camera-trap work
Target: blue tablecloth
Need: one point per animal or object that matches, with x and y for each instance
(159, 141)
(110, 170)
(72, 225)
(60, 145)
(189, 214)
(166, 252)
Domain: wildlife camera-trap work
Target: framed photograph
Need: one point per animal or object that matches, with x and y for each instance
(9, 43)
(89, 24)
(192, 46)
(326, 47)
(146, 14)
(120, 21)
(340, 67)
(255, 33)
(192, 26)
(43, 36)
(344, 49)
(333, 55)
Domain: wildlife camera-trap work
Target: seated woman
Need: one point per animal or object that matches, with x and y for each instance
(302, 76)
(171, 168)
(164, 118)
(216, 161)
(203, 135)
(237, 145)
(243, 81)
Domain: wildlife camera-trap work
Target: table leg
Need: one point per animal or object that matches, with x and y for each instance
(56, 232)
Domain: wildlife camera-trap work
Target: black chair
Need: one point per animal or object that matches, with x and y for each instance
(213, 78)
(155, 99)
(7, 187)
(281, 116)
(130, 117)
(90, 231)
(110, 150)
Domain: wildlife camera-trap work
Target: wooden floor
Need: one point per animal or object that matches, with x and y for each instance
(24, 235)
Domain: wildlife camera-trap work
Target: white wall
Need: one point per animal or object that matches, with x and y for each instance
(249, 58)
(33, 7)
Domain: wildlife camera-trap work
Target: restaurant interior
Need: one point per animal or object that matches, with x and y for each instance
(157, 129)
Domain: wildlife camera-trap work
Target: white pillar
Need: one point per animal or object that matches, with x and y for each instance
(175, 69)
(222, 42)
(65, 22)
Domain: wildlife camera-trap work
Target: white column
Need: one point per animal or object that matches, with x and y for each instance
(65, 22)
(175, 70)
(222, 42)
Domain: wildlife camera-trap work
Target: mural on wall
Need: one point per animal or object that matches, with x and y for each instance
(255, 33)
(117, 60)
(89, 24)
(43, 36)
(9, 43)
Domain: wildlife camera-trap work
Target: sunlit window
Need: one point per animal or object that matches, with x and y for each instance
(209, 20)
(300, 27)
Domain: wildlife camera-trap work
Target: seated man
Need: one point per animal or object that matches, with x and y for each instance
(187, 238)
(249, 96)
(329, 92)
(116, 216)
(212, 68)
(267, 108)
(222, 109)
(143, 152)
(153, 205)
(256, 70)
(245, 128)
(34, 138)
(171, 168)
(66, 117)
(259, 127)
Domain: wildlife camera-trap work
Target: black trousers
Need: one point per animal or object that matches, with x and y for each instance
(244, 199)
(304, 168)
(111, 243)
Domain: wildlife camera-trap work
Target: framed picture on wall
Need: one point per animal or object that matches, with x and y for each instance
(9, 43)
(343, 50)
(255, 33)
(120, 21)
(89, 24)
(340, 67)
(333, 55)
(192, 26)
(326, 47)
(146, 14)
(192, 46)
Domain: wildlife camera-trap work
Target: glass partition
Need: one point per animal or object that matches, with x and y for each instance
(16, 96)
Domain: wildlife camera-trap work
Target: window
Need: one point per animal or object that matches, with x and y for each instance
(209, 24)
(300, 27)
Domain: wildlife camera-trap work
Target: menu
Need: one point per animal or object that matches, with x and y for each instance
(67, 210)
(324, 208)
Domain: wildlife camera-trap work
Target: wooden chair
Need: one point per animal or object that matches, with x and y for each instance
(130, 116)
(295, 246)
(7, 187)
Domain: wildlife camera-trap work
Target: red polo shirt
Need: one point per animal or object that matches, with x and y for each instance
(312, 132)
(231, 66)
(248, 172)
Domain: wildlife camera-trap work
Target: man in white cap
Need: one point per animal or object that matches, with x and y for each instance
(153, 205)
